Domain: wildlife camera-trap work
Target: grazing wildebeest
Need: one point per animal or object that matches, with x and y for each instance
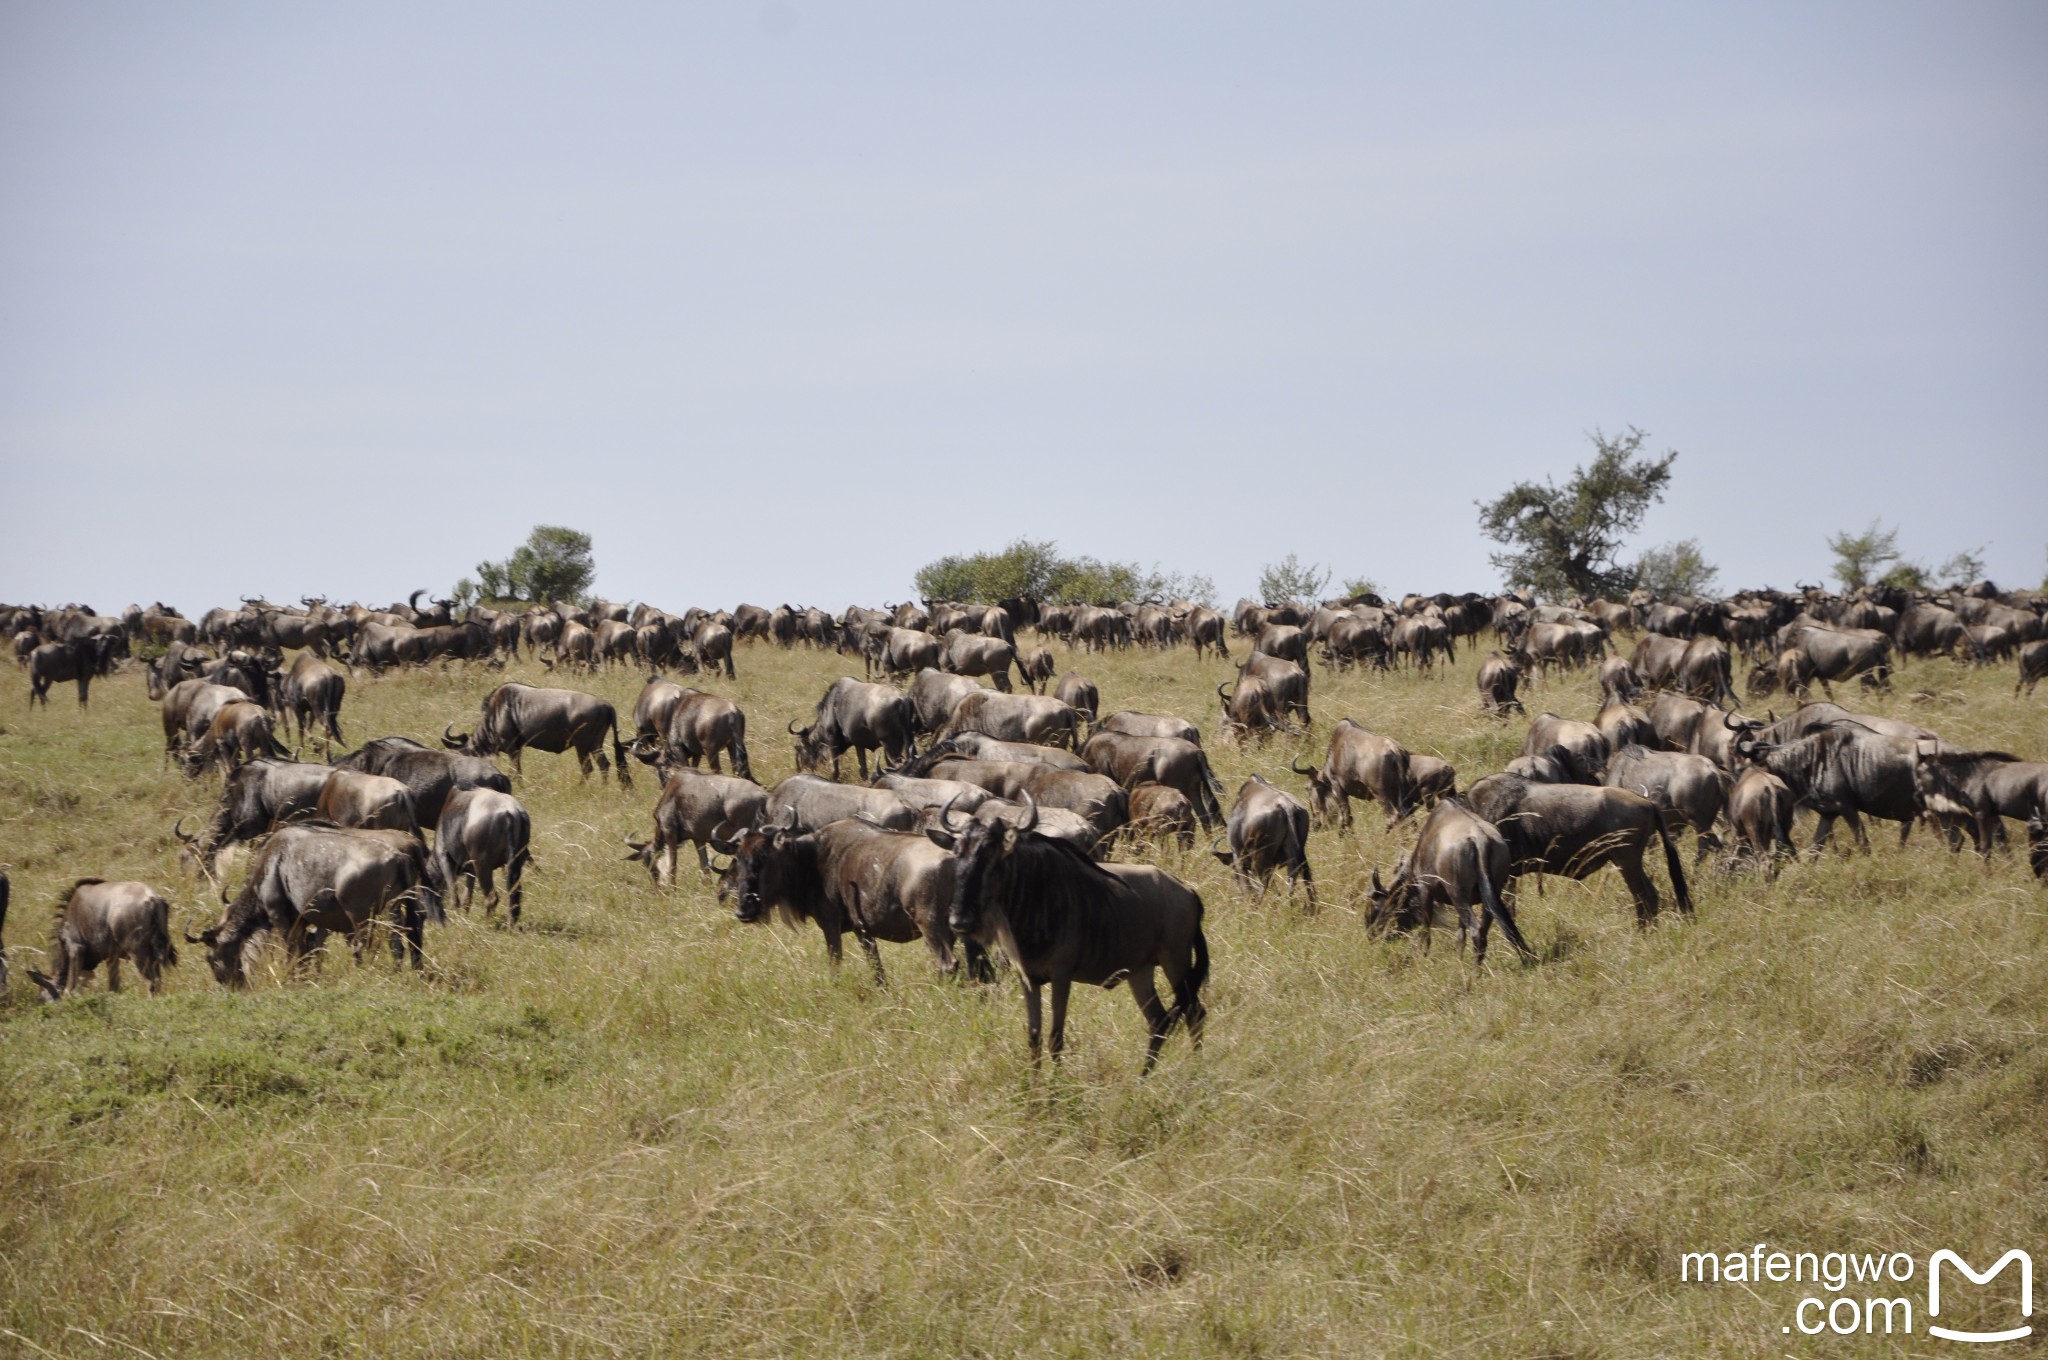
(430, 775)
(1656, 658)
(1283, 640)
(1150, 725)
(1992, 784)
(102, 922)
(1420, 637)
(2033, 667)
(1359, 764)
(1431, 779)
(353, 799)
(1840, 654)
(1098, 799)
(311, 879)
(1619, 681)
(849, 875)
(816, 802)
(651, 711)
(707, 810)
(1178, 764)
(860, 717)
(240, 732)
(1622, 723)
(1251, 709)
(255, 796)
(1353, 639)
(1038, 668)
(1287, 681)
(1498, 680)
(1268, 830)
(976, 746)
(1016, 717)
(1078, 693)
(1158, 811)
(1064, 919)
(515, 717)
(1691, 789)
(1585, 744)
(80, 659)
(1572, 831)
(903, 651)
(312, 692)
(480, 832)
(1461, 862)
(1760, 808)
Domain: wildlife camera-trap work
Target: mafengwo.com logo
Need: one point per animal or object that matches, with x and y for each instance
(1875, 1293)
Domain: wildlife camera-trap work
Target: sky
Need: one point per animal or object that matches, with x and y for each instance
(781, 301)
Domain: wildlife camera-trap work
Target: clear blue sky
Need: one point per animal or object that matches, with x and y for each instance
(780, 301)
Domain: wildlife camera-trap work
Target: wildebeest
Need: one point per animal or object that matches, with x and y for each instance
(1841, 654)
(516, 716)
(1078, 693)
(429, 775)
(1359, 764)
(1205, 629)
(482, 831)
(707, 810)
(1622, 723)
(1846, 770)
(1572, 831)
(1038, 668)
(936, 694)
(1460, 862)
(849, 876)
(254, 797)
(1420, 637)
(901, 651)
(312, 692)
(2033, 667)
(1991, 784)
(815, 803)
(1690, 789)
(860, 717)
(1064, 919)
(1583, 742)
(353, 799)
(1283, 640)
(1430, 779)
(1760, 808)
(1498, 680)
(79, 659)
(1016, 717)
(711, 645)
(1150, 725)
(1268, 831)
(1703, 672)
(312, 878)
(963, 653)
(1158, 811)
(1287, 681)
(1170, 761)
(240, 732)
(1251, 709)
(977, 746)
(1098, 799)
(102, 922)
(1619, 681)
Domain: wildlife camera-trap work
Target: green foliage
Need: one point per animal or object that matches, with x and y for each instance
(553, 564)
(1289, 582)
(1676, 569)
(1862, 558)
(1962, 568)
(1562, 540)
(1039, 570)
(1907, 574)
(1359, 585)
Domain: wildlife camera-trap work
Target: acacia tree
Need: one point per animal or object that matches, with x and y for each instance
(553, 564)
(1862, 558)
(1676, 569)
(1562, 540)
(1040, 570)
(1289, 582)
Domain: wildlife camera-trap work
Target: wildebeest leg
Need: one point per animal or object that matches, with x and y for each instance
(518, 768)
(860, 756)
(1033, 1014)
(874, 953)
(114, 973)
(979, 968)
(1157, 1021)
(1060, 987)
(1821, 832)
(703, 860)
(490, 890)
(1640, 887)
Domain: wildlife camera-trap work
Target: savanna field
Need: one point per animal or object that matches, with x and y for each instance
(636, 1126)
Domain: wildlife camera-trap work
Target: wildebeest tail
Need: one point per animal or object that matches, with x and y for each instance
(1502, 917)
(1188, 994)
(623, 765)
(1678, 888)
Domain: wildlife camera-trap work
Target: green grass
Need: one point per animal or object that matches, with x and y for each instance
(637, 1127)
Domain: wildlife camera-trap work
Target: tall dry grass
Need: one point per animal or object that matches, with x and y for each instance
(638, 1127)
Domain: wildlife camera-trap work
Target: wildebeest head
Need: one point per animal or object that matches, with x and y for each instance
(983, 850)
(763, 870)
(223, 955)
(1392, 906)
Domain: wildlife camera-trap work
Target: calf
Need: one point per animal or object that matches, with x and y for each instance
(101, 922)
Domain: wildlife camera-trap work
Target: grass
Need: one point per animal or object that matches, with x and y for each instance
(638, 1127)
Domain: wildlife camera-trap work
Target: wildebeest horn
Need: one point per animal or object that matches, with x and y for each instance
(946, 812)
(1030, 811)
(1219, 691)
(450, 740)
(720, 869)
(793, 728)
(190, 938)
(1294, 764)
(178, 830)
(787, 821)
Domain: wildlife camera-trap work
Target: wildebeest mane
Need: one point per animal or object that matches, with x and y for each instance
(1049, 883)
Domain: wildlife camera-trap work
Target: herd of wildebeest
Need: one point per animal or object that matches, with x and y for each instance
(985, 826)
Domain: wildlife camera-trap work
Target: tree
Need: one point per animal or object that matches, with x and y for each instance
(1289, 582)
(1563, 539)
(1039, 570)
(1860, 558)
(1676, 569)
(553, 564)
(1358, 586)
(1964, 568)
